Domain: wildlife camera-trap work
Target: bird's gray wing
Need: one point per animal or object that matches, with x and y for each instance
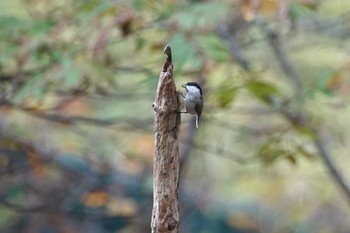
(199, 108)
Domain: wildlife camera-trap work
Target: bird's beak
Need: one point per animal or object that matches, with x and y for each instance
(183, 85)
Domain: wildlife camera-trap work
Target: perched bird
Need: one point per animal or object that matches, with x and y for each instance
(193, 100)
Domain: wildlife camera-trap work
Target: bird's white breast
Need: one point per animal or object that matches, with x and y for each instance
(192, 98)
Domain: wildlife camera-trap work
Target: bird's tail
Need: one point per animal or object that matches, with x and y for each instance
(197, 121)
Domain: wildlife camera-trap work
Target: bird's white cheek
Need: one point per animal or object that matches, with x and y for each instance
(193, 90)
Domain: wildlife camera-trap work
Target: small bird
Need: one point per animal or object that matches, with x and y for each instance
(193, 100)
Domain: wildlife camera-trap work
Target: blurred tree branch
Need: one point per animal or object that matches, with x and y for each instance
(301, 121)
(71, 120)
(281, 57)
(298, 119)
(235, 48)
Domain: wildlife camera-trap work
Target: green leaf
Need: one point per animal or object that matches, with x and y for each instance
(103, 74)
(291, 158)
(301, 150)
(270, 151)
(226, 93)
(14, 192)
(40, 93)
(9, 26)
(324, 79)
(271, 155)
(40, 27)
(71, 74)
(264, 91)
(305, 130)
(296, 11)
(140, 43)
(56, 55)
(184, 51)
(138, 4)
(201, 15)
(214, 47)
(27, 88)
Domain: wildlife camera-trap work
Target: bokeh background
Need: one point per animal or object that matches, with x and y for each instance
(77, 82)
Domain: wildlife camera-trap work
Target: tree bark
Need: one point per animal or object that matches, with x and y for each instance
(165, 213)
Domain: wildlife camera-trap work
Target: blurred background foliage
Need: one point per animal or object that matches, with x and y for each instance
(77, 81)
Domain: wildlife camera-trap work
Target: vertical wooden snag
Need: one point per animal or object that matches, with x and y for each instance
(165, 213)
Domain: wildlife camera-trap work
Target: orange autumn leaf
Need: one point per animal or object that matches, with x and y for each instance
(251, 8)
(75, 106)
(96, 199)
(36, 163)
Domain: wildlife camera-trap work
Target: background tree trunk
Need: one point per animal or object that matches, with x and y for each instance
(165, 214)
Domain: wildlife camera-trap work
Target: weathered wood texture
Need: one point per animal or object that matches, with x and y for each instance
(165, 214)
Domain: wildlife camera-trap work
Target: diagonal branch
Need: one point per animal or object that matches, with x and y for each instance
(295, 118)
(300, 120)
(234, 46)
(286, 65)
(321, 146)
